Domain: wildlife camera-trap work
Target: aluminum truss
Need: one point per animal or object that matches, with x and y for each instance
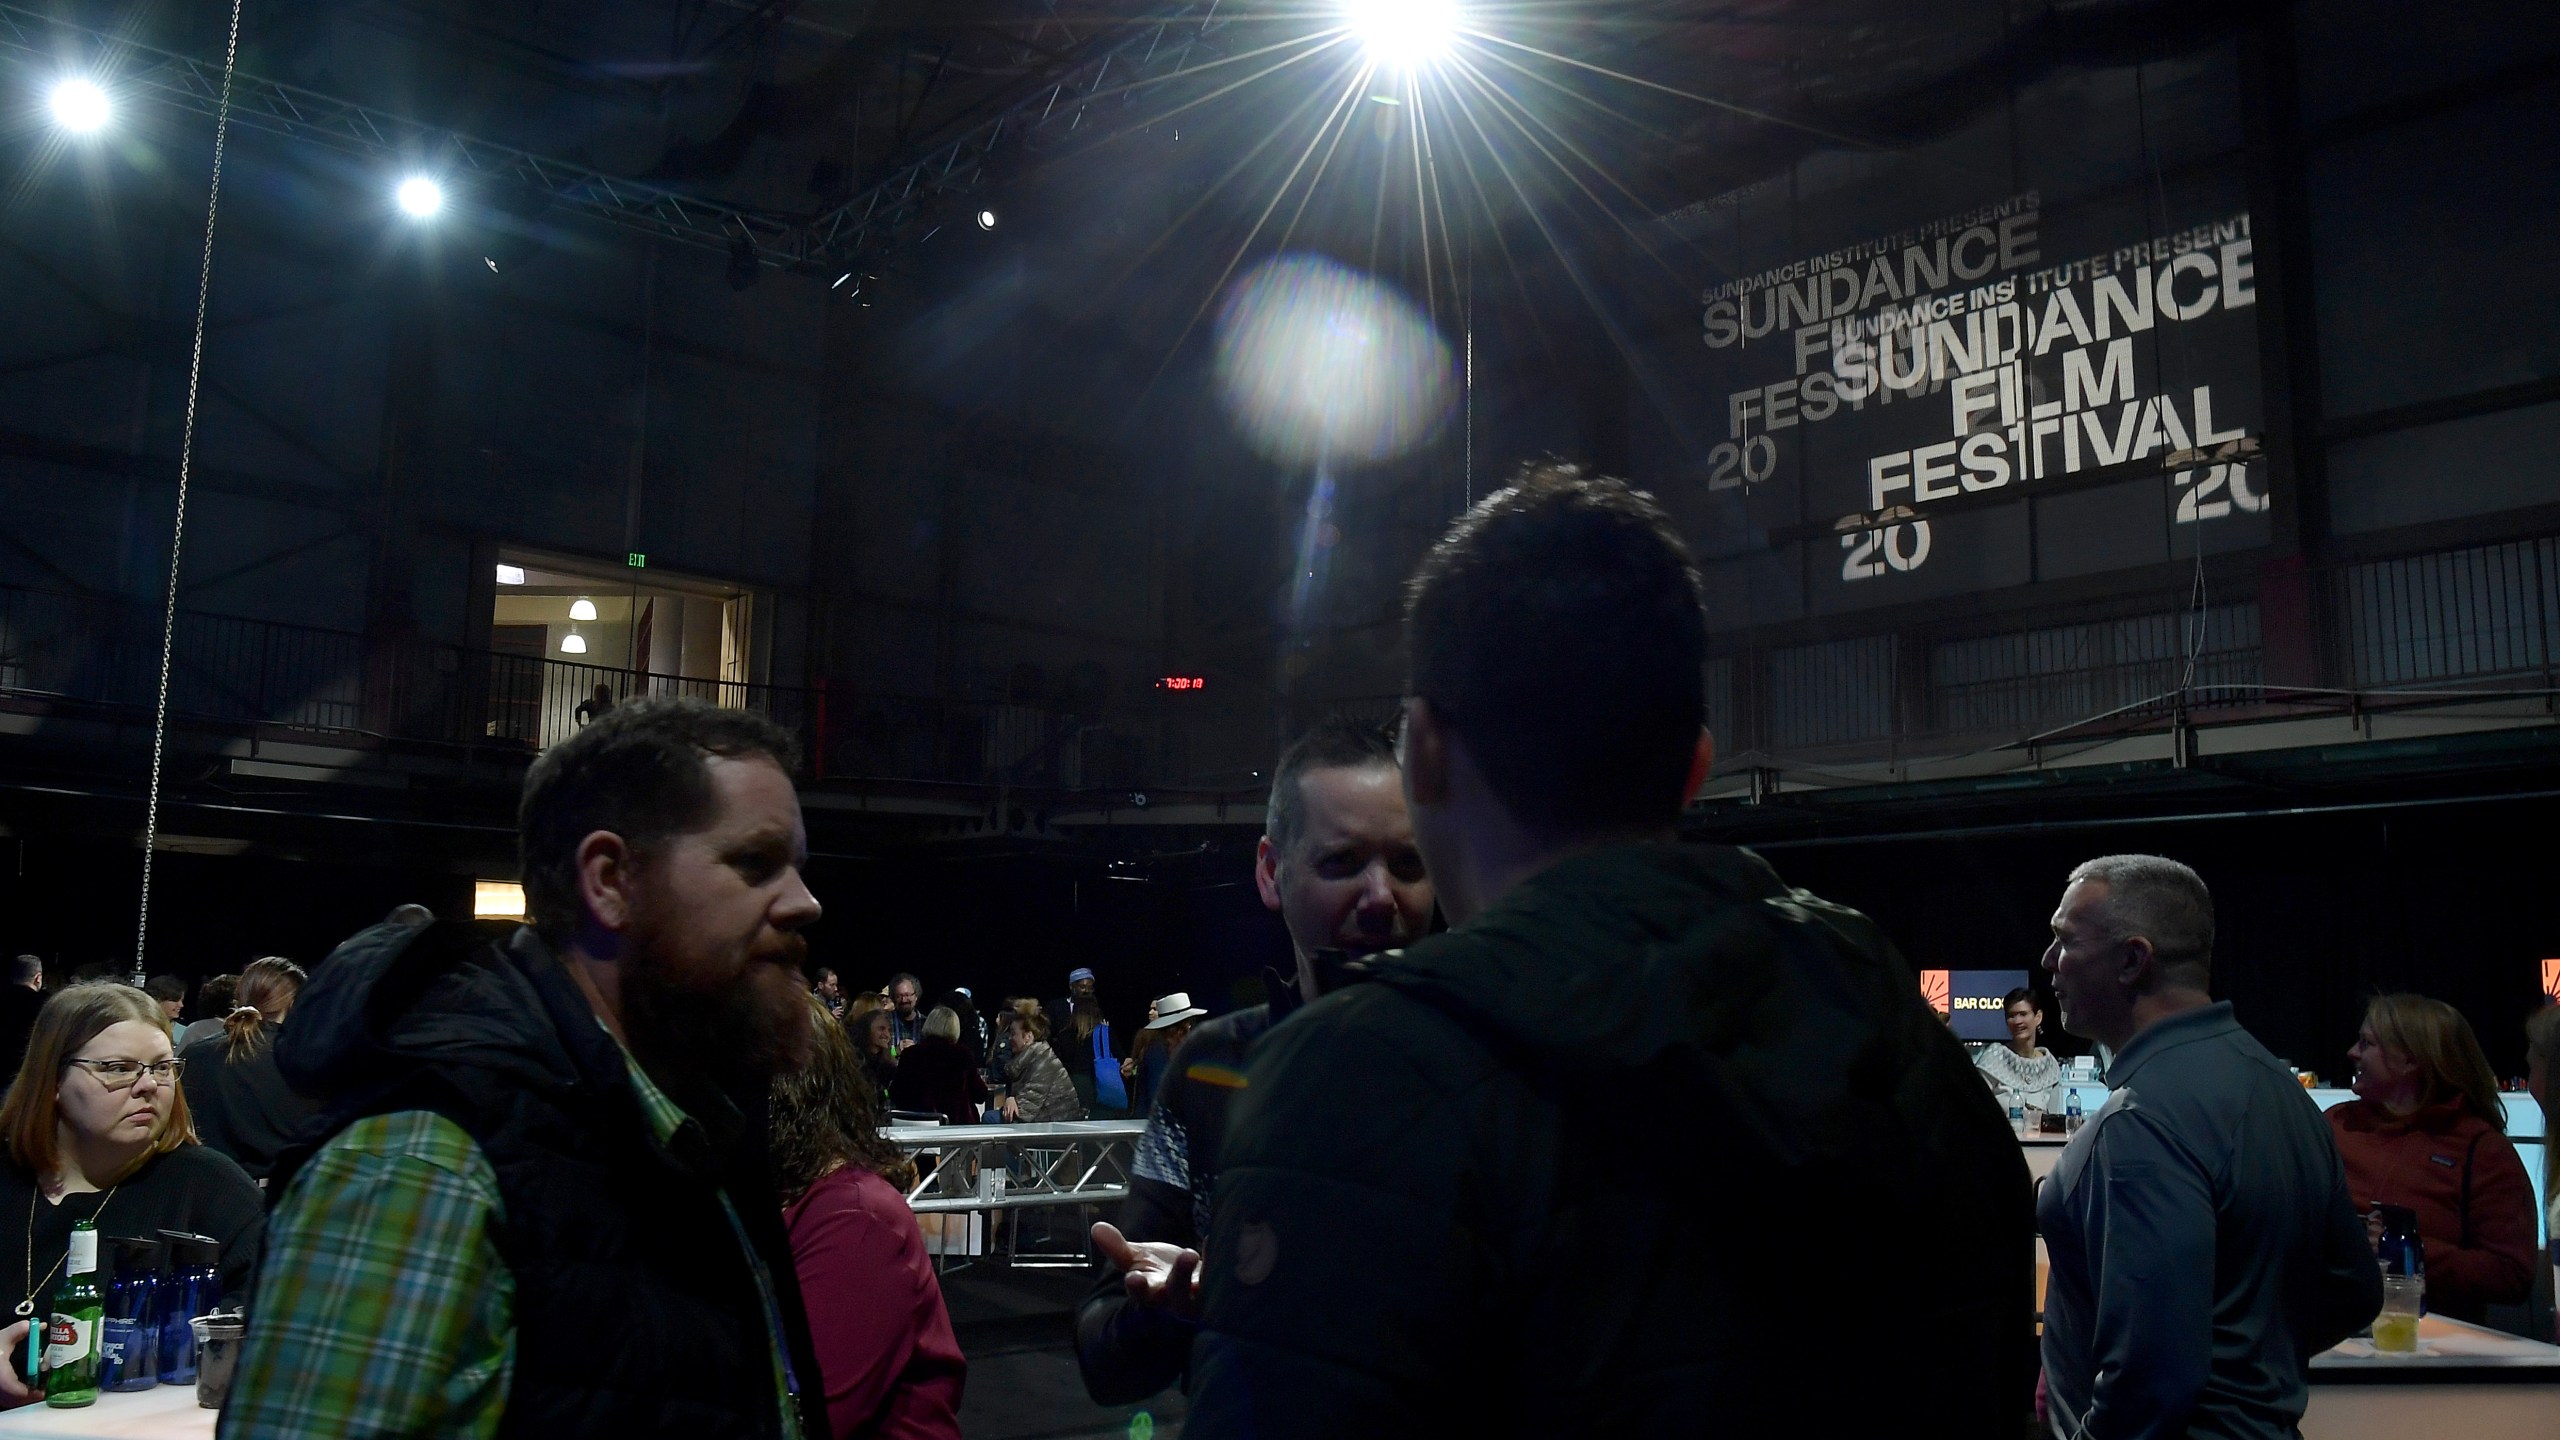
(1115, 69)
(1111, 71)
(295, 113)
(1015, 1167)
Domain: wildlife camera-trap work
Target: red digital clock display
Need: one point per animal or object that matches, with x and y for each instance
(1183, 682)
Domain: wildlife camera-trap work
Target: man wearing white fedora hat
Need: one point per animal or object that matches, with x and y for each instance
(1338, 864)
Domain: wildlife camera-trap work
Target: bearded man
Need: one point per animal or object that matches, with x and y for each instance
(540, 1202)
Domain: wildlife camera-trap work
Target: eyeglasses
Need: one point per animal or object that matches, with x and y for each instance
(121, 1074)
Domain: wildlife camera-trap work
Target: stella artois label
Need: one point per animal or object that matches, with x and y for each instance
(67, 1340)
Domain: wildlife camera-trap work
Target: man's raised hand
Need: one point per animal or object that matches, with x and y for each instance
(1158, 1276)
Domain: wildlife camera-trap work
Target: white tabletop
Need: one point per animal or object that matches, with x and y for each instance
(163, 1412)
(2443, 1345)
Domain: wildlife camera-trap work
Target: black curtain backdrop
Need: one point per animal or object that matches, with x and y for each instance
(2316, 913)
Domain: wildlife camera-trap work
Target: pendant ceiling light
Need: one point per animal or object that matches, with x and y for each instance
(573, 644)
(582, 609)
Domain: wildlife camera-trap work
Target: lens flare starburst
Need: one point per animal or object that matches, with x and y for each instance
(1318, 362)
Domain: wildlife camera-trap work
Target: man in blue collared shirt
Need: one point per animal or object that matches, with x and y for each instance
(2203, 1245)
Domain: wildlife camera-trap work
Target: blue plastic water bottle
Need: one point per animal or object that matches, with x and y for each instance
(2017, 1117)
(2072, 1118)
(129, 1353)
(195, 1286)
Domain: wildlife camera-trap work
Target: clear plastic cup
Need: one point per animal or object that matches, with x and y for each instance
(217, 1352)
(2395, 1330)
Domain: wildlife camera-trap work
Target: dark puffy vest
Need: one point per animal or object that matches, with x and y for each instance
(636, 1314)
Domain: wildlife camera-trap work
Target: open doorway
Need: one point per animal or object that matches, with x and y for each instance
(574, 638)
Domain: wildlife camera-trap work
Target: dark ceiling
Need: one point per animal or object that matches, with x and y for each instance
(790, 106)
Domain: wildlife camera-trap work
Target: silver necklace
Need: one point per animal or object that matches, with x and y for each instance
(27, 1307)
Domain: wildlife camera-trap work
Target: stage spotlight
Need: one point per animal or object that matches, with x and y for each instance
(80, 107)
(420, 197)
(986, 219)
(1401, 34)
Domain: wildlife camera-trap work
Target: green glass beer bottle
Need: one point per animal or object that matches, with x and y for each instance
(71, 1332)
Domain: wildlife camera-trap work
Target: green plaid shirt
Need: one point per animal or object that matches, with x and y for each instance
(382, 1306)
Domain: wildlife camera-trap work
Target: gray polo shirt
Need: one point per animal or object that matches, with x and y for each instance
(2203, 1245)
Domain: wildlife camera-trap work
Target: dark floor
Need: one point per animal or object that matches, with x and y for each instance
(1016, 1326)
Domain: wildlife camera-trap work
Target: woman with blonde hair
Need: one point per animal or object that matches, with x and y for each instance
(938, 1075)
(242, 1105)
(96, 1128)
(2427, 1132)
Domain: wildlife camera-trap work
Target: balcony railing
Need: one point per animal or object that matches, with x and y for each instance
(2476, 620)
(88, 652)
(2441, 625)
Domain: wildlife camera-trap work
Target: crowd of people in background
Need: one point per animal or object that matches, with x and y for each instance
(632, 1167)
(1033, 1063)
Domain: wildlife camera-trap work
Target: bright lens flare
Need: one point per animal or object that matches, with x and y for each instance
(1401, 34)
(420, 196)
(80, 107)
(1320, 363)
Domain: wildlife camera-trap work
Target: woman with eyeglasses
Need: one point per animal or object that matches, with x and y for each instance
(238, 1097)
(96, 1128)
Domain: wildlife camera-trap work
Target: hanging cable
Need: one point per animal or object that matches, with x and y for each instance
(178, 528)
(2156, 212)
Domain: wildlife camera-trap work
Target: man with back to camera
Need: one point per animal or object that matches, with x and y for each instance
(2202, 1243)
(1337, 863)
(1648, 1143)
(544, 1204)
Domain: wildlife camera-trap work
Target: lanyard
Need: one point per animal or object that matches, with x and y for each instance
(783, 1367)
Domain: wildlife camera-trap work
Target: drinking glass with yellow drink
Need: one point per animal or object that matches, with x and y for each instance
(2395, 1330)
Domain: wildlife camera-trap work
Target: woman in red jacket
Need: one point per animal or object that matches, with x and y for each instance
(2426, 1131)
(885, 1349)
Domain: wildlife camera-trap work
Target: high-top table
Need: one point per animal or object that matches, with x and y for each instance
(2464, 1381)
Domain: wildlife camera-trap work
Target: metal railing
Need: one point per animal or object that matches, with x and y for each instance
(2446, 623)
(2436, 626)
(2138, 667)
(1019, 1167)
(2485, 613)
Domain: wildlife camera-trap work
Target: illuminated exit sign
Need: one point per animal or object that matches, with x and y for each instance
(636, 560)
(1183, 682)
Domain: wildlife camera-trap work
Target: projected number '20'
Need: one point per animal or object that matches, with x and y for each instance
(1897, 539)
(1892, 539)
(2215, 492)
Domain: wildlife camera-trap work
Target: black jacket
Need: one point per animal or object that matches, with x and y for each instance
(1438, 1214)
(635, 1311)
(937, 1075)
(241, 1105)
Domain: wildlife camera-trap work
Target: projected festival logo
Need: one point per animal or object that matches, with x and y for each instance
(2551, 981)
(1888, 402)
